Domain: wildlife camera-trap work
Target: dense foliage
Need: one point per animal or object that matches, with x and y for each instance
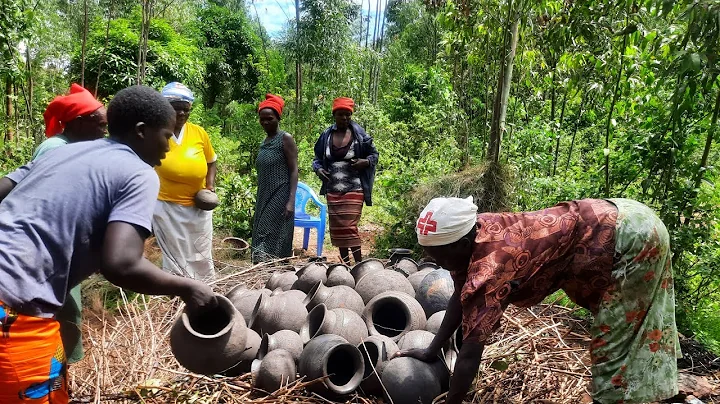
(582, 99)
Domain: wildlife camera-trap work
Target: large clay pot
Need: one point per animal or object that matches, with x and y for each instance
(410, 381)
(343, 322)
(435, 291)
(209, 342)
(377, 282)
(283, 339)
(376, 351)
(336, 297)
(416, 278)
(339, 274)
(333, 358)
(279, 312)
(364, 267)
(283, 280)
(396, 254)
(252, 345)
(298, 295)
(434, 322)
(393, 314)
(416, 339)
(406, 266)
(309, 275)
(244, 299)
(275, 370)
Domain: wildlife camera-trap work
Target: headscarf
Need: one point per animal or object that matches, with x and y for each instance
(65, 108)
(274, 102)
(177, 92)
(445, 221)
(343, 103)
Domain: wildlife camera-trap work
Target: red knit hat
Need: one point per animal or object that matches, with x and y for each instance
(343, 103)
(65, 108)
(274, 102)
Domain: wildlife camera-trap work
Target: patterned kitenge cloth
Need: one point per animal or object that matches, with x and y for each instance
(33, 368)
(597, 252)
(345, 196)
(272, 234)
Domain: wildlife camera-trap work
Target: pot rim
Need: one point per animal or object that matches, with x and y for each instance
(406, 310)
(305, 330)
(260, 302)
(311, 294)
(359, 365)
(223, 303)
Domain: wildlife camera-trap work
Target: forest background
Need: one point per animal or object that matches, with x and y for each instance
(561, 99)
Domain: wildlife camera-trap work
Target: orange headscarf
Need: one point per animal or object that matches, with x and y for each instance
(343, 103)
(274, 102)
(65, 108)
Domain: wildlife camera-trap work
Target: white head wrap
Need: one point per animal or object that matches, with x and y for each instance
(445, 221)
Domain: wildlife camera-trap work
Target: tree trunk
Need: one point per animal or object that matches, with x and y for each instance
(298, 67)
(107, 41)
(503, 90)
(575, 130)
(84, 43)
(556, 131)
(9, 111)
(704, 159)
(608, 125)
(380, 48)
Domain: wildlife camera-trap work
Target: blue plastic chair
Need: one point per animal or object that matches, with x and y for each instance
(303, 194)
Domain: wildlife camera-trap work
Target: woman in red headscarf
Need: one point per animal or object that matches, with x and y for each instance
(277, 171)
(345, 160)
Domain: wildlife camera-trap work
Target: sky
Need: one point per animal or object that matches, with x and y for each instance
(274, 14)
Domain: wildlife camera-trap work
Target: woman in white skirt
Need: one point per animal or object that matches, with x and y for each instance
(183, 231)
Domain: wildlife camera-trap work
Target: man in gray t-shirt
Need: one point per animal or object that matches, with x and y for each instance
(82, 209)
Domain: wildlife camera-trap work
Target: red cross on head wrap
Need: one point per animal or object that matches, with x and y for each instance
(445, 221)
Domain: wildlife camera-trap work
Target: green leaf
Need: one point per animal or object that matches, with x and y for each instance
(499, 365)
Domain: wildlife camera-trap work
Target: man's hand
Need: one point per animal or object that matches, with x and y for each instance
(323, 174)
(199, 297)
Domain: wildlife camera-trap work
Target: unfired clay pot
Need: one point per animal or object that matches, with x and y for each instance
(332, 357)
(364, 267)
(416, 339)
(210, 342)
(376, 351)
(309, 275)
(336, 297)
(434, 322)
(410, 381)
(416, 278)
(393, 314)
(252, 345)
(406, 266)
(279, 312)
(275, 370)
(283, 280)
(435, 291)
(377, 282)
(343, 322)
(339, 274)
(283, 339)
(244, 299)
(298, 295)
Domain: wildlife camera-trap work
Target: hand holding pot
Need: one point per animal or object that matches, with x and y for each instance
(199, 297)
(423, 354)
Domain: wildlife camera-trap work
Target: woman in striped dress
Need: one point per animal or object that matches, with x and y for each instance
(277, 171)
(345, 160)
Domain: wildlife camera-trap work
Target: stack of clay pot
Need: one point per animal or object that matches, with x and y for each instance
(338, 324)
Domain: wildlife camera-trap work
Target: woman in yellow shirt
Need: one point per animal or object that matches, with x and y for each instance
(183, 231)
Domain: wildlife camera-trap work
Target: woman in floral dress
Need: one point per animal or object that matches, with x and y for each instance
(610, 256)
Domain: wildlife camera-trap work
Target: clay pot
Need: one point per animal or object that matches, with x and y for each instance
(376, 351)
(406, 266)
(343, 322)
(416, 339)
(416, 278)
(309, 275)
(283, 339)
(362, 268)
(252, 345)
(283, 280)
(435, 291)
(377, 282)
(396, 254)
(339, 274)
(206, 199)
(336, 297)
(279, 312)
(427, 265)
(275, 370)
(408, 380)
(332, 357)
(209, 342)
(298, 295)
(244, 299)
(393, 314)
(434, 322)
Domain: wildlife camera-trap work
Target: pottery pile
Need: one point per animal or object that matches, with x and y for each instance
(337, 324)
